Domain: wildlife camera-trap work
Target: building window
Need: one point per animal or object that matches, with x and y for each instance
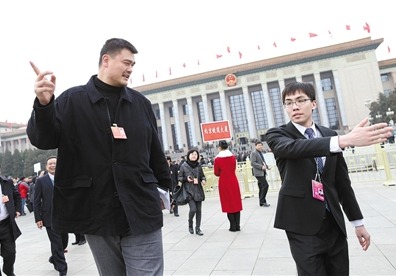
(276, 101)
(173, 130)
(187, 126)
(384, 77)
(260, 117)
(185, 109)
(332, 113)
(201, 112)
(326, 84)
(238, 113)
(157, 114)
(216, 109)
(171, 111)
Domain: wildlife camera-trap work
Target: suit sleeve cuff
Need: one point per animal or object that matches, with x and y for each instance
(334, 146)
(357, 223)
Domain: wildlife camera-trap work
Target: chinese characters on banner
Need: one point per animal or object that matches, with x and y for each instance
(215, 131)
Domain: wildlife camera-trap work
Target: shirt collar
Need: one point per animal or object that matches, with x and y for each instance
(302, 129)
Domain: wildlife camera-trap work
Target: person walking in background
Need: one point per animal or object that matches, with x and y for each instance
(42, 207)
(10, 208)
(315, 183)
(260, 172)
(80, 239)
(229, 191)
(192, 176)
(109, 155)
(174, 171)
(23, 189)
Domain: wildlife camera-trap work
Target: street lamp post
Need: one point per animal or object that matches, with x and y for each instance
(390, 114)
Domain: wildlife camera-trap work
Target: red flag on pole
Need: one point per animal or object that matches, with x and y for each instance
(170, 71)
(292, 39)
(366, 28)
(240, 55)
(184, 65)
(228, 49)
(312, 35)
(388, 49)
(144, 78)
(348, 27)
(274, 44)
(218, 56)
(258, 47)
(156, 74)
(198, 61)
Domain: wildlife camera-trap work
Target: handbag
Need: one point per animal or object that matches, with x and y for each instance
(181, 196)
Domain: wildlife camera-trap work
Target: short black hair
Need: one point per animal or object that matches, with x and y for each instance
(305, 87)
(258, 143)
(50, 157)
(115, 45)
(223, 144)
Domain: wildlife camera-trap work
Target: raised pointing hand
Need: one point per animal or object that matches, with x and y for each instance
(43, 87)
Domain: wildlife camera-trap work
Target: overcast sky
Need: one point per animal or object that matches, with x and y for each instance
(66, 37)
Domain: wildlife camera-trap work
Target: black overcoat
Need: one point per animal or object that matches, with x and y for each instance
(102, 185)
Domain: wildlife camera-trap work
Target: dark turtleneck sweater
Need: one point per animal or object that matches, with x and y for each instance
(111, 94)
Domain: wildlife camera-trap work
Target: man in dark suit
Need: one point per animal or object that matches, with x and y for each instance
(310, 197)
(42, 213)
(174, 171)
(10, 208)
(260, 171)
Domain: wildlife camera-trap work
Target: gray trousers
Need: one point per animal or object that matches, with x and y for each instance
(127, 254)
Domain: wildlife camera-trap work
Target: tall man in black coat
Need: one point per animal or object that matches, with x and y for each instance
(10, 208)
(310, 197)
(42, 206)
(110, 163)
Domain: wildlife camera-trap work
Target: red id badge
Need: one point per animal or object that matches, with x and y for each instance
(195, 180)
(317, 190)
(118, 132)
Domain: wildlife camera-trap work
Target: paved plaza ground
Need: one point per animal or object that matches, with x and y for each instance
(258, 249)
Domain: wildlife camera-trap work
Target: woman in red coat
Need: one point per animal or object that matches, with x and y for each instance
(230, 194)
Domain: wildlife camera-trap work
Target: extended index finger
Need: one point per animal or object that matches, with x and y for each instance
(35, 69)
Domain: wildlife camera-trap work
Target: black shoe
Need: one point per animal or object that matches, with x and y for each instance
(176, 214)
(198, 232)
(51, 260)
(191, 230)
(62, 273)
(74, 243)
(266, 205)
(82, 242)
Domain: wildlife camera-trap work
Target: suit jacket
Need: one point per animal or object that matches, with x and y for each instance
(42, 204)
(13, 205)
(257, 164)
(297, 210)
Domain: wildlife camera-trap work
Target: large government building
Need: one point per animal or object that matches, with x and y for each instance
(347, 78)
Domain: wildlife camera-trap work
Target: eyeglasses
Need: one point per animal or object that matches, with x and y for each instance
(299, 102)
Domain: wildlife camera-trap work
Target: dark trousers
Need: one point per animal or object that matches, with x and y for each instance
(325, 253)
(79, 237)
(7, 246)
(57, 249)
(263, 188)
(195, 210)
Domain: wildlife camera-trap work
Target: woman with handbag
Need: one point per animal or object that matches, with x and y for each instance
(192, 178)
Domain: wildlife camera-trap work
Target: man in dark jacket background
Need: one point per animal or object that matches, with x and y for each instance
(110, 161)
(10, 208)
